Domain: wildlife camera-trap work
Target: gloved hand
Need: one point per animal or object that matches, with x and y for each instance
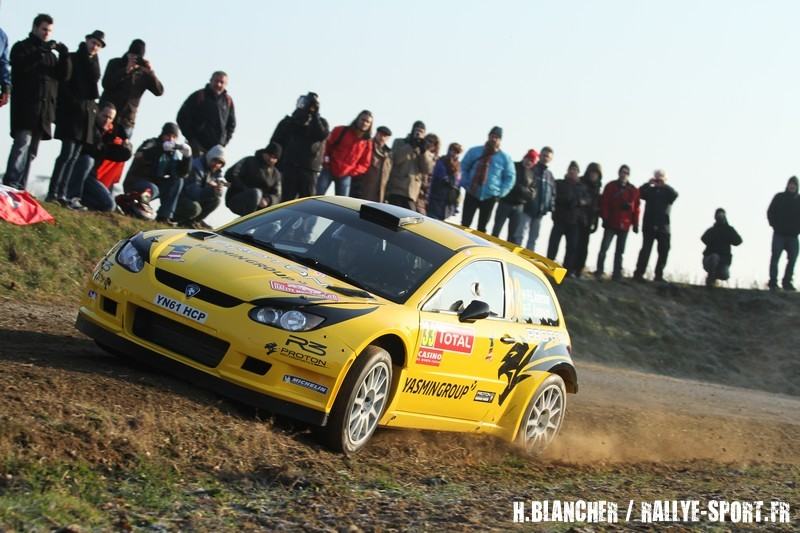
(169, 146)
(62, 49)
(184, 149)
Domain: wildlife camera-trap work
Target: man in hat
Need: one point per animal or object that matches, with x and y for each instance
(35, 74)
(203, 189)
(160, 166)
(125, 81)
(302, 136)
(659, 198)
(784, 217)
(717, 256)
(255, 183)
(372, 184)
(76, 111)
(487, 174)
(208, 117)
(412, 160)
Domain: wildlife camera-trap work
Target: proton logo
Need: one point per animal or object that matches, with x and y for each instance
(191, 290)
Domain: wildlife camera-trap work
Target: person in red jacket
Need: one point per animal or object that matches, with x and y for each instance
(619, 209)
(348, 152)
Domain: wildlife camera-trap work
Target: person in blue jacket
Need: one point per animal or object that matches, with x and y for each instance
(488, 174)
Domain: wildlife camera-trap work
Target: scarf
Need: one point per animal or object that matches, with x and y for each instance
(482, 169)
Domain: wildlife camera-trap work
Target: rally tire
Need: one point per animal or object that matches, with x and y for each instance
(544, 416)
(360, 403)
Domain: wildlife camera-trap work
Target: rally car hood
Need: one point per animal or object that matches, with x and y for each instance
(243, 271)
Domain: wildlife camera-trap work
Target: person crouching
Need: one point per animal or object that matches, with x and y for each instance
(255, 183)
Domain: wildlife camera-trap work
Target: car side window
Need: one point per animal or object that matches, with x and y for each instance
(481, 280)
(532, 299)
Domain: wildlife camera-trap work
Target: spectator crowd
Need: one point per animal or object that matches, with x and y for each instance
(48, 85)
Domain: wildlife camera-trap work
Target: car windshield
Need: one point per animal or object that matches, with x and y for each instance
(336, 241)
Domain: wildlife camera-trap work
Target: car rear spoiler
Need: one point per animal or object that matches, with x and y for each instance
(548, 266)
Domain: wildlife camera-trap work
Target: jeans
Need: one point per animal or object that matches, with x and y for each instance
(96, 197)
(168, 193)
(716, 267)
(341, 185)
(70, 151)
(298, 183)
(196, 203)
(516, 221)
(608, 236)
(78, 177)
(484, 208)
(779, 244)
(570, 232)
(244, 202)
(663, 239)
(582, 248)
(533, 223)
(23, 151)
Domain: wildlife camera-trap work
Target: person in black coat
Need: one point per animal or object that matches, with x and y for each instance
(592, 181)
(655, 224)
(35, 74)
(302, 136)
(571, 200)
(784, 217)
(207, 118)
(255, 182)
(717, 256)
(125, 81)
(511, 207)
(76, 112)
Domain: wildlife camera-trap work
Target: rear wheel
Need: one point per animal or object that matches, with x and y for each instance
(544, 416)
(361, 402)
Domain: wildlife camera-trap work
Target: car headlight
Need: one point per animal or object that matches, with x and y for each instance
(130, 258)
(290, 320)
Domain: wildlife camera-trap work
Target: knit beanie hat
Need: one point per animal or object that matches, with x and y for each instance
(217, 152)
(274, 149)
(170, 128)
(418, 124)
(497, 130)
(136, 47)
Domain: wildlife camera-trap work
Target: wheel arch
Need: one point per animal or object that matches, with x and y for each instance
(568, 374)
(394, 345)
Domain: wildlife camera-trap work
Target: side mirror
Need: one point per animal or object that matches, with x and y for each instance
(476, 310)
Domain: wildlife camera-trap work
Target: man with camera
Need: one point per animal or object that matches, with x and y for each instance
(161, 164)
(302, 136)
(125, 81)
(412, 160)
(203, 189)
(619, 209)
(35, 74)
(655, 224)
(207, 118)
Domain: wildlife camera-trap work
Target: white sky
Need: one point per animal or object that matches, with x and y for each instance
(706, 90)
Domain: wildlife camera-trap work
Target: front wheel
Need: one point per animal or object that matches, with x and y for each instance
(360, 402)
(544, 416)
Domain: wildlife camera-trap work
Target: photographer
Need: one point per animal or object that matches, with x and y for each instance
(412, 160)
(255, 182)
(125, 81)
(203, 189)
(161, 164)
(619, 209)
(35, 74)
(302, 136)
(717, 256)
(655, 223)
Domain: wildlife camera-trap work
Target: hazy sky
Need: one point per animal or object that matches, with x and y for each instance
(706, 90)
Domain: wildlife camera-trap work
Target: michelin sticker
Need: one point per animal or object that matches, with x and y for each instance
(300, 382)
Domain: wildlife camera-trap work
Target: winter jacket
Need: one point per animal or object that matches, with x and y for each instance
(347, 153)
(591, 212)
(372, 184)
(150, 157)
(545, 185)
(499, 179)
(302, 137)
(421, 203)
(784, 214)
(410, 165)
(200, 174)
(718, 240)
(5, 68)
(107, 145)
(207, 119)
(76, 108)
(524, 189)
(35, 75)
(253, 173)
(444, 189)
(659, 203)
(125, 89)
(619, 206)
(571, 201)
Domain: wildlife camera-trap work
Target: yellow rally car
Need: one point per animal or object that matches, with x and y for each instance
(346, 315)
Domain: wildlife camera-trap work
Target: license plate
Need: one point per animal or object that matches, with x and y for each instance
(180, 308)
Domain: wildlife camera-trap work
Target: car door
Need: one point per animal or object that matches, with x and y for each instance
(453, 371)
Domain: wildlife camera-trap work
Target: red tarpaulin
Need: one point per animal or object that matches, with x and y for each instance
(19, 207)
